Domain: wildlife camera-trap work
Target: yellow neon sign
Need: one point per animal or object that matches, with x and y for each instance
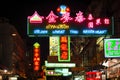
(59, 26)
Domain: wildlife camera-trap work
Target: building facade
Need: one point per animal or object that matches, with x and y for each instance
(12, 49)
(107, 8)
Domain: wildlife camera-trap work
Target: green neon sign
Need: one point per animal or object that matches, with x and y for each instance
(112, 48)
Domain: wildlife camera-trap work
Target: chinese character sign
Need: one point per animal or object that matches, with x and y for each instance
(53, 45)
(64, 49)
(112, 47)
(36, 57)
(53, 24)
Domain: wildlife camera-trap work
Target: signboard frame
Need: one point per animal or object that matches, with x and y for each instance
(112, 48)
(43, 28)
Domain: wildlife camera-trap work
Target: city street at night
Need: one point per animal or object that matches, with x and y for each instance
(60, 40)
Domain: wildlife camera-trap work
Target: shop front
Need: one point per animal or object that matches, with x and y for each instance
(113, 70)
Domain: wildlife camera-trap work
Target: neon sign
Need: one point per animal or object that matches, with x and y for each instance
(36, 58)
(66, 25)
(51, 17)
(112, 47)
(36, 18)
(59, 64)
(93, 75)
(79, 18)
(54, 46)
(62, 9)
(64, 51)
(60, 26)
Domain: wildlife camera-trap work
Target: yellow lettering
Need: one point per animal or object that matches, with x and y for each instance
(59, 26)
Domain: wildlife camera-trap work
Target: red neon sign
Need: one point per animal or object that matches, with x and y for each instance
(65, 18)
(90, 25)
(51, 17)
(98, 21)
(90, 17)
(79, 17)
(36, 58)
(63, 48)
(106, 21)
(93, 76)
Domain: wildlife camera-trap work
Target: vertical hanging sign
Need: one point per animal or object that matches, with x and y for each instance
(36, 58)
(64, 49)
(54, 45)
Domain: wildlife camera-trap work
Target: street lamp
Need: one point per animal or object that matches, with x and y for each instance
(13, 34)
(5, 71)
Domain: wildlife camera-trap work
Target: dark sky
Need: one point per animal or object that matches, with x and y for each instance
(18, 11)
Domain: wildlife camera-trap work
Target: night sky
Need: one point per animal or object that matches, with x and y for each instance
(18, 11)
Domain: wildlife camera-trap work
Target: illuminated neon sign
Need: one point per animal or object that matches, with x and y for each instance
(66, 25)
(62, 9)
(112, 48)
(36, 18)
(36, 58)
(64, 51)
(54, 45)
(51, 65)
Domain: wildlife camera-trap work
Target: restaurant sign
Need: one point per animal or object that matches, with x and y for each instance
(53, 25)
